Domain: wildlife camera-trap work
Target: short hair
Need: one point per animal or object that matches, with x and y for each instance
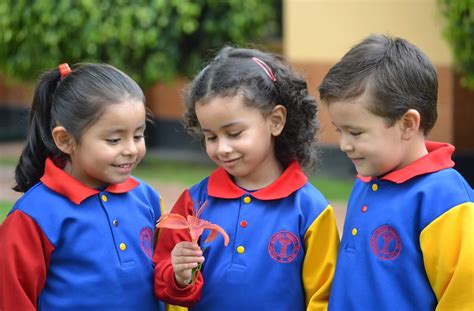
(395, 74)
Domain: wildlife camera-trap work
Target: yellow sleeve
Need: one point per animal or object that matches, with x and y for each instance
(321, 245)
(162, 205)
(448, 246)
(156, 231)
(174, 308)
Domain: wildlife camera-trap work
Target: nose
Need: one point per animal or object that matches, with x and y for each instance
(224, 147)
(130, 148)
(345, 144)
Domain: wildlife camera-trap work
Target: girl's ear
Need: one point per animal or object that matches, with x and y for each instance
(278, 119)
(410, 124)
(63, 140)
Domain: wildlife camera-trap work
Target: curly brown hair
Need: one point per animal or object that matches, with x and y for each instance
(233, 71)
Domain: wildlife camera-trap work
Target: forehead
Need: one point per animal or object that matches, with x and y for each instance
(224, 106)
(127, 114)
(352, 111)
(220, 111)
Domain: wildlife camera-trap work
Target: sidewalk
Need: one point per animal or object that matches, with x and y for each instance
(7, 173)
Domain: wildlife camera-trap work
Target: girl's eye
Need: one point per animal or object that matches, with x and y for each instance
(235, 134)
(355, 133)
(211, 138)
(113, 140)
(138, 137)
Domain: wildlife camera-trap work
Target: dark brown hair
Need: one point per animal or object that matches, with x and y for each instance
(395, 74)
(75, 102)
(233, 71)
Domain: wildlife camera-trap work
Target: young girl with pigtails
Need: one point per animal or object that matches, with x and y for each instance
(81, 236)
(258, 123)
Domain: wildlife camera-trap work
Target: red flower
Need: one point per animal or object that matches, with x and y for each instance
(194, 224)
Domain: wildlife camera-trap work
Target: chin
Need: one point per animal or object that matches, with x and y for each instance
(365, 174)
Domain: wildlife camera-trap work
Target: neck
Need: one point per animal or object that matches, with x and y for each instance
(267, 173)
(415, 150)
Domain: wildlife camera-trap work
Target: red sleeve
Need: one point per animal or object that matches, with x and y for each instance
(24, 260)
(166, 288)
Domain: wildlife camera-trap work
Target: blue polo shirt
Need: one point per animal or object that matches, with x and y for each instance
(70, 247)
(408, 240)
(282, 250)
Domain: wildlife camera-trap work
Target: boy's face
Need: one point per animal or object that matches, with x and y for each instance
(374, 148)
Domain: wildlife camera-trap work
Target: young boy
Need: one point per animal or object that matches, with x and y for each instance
(408, 235)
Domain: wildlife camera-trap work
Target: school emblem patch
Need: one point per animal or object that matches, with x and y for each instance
(146, 241)
(284, 246)
(385, 243)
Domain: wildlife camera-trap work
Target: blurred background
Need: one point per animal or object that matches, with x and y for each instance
(163, 43)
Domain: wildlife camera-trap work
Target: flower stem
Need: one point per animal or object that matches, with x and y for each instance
(196, 270)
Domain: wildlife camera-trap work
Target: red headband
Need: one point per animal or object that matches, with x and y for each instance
(266, 68)
(64, 70)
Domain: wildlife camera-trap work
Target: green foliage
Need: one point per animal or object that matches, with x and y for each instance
(459, 31)
(152, 40)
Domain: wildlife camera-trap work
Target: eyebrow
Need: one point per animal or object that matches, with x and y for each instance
(222, 127)
(120, 130)
(345, 126)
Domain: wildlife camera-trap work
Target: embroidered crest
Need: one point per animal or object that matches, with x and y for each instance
(385, 243)
(284, 246)
(146, 241)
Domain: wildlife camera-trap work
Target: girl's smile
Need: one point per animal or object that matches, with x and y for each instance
(240, 139)
(111, 148)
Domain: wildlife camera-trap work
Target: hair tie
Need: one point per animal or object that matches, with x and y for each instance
(64, 70)
(265, 67)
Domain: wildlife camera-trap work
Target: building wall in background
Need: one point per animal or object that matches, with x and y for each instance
(317, 33)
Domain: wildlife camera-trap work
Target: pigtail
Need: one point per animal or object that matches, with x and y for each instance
(40, 144)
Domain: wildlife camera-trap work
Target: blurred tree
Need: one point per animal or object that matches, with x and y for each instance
(459, 31)
(152, 40)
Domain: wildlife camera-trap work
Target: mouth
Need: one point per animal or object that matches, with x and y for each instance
(229, 162)
(125, 166)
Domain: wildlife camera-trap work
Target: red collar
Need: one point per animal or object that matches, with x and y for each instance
(59, 181)
(438, 158)
(221, 185)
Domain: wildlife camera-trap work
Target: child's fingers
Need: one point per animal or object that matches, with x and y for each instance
(188, 245)
(186, 249)
(182, 267)
(187, 259)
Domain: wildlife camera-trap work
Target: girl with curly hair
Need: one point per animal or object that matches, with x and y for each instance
(258, 123)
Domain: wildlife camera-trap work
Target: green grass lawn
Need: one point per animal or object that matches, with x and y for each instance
(185, 174)
(5, 207)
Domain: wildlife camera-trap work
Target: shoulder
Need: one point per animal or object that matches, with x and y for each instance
(145, 188)
(46, 208)
(447, 185)
(431, 195)
(199, 190)
(310, 200)
(38, 196)
(441, 191)
(147, 194)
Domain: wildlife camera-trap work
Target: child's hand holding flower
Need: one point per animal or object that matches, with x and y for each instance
(187, 257)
